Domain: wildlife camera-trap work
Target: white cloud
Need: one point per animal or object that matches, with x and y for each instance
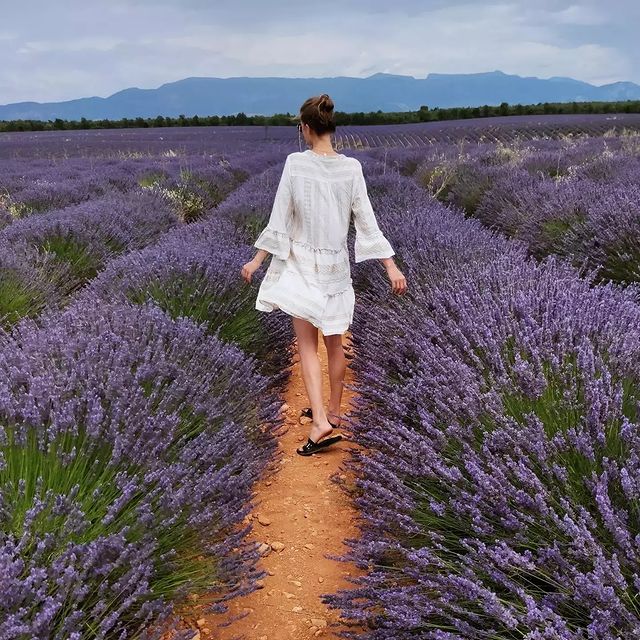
(61, 52)
(81, 44)
(577, 15)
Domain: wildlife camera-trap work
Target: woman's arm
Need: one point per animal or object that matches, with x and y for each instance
(260, 256)
(274, 238)
(370, 241)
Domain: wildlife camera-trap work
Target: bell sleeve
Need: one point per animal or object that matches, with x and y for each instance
(274, 238)
(370, 242)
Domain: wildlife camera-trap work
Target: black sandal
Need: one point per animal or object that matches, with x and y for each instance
(308, 413)
(311, 446)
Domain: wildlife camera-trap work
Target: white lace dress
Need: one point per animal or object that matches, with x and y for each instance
(309, 275)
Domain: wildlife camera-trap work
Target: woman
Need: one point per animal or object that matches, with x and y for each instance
(309, 276)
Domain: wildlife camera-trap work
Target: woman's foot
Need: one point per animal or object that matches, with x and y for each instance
(308, 413)
(319, 431)
(320, 437)
(312, 447)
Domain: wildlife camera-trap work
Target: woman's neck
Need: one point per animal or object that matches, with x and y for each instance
(323, 150)
(322, 145)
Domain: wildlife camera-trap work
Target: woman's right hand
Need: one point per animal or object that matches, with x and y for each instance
(398, 281)
(249, 268)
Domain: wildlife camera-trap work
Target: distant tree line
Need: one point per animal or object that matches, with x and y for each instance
(423, 114)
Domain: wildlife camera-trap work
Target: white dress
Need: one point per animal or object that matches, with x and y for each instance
(309, 275)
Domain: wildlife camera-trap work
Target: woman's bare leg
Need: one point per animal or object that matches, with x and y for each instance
(307, 339)
(337, 369)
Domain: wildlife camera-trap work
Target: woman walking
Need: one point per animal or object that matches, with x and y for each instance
(309, 275)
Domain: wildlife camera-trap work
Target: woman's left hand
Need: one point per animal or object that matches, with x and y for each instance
(249, 268)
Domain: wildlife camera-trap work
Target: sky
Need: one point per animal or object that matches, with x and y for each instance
(54, 51)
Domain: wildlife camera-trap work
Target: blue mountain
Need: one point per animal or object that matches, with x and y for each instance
(380, 91)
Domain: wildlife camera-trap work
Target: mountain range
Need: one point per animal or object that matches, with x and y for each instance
(269, 95)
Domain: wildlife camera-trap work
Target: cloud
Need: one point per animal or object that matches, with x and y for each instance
(70, 49)
(577, 15)
(81, 44)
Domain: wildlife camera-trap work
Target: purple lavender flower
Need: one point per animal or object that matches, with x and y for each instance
(498, 406)
(134, 454)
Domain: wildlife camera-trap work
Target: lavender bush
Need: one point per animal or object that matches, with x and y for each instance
(29, 282)
(194, 184)
(128, 446)
(36, 186)
(65, 248)
(194, 273)
(498, 487)
(608, 237)
(85, 236)
(249, 206)
(559, 197)
(5, 217)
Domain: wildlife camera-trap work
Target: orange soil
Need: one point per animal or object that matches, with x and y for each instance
(310, 515)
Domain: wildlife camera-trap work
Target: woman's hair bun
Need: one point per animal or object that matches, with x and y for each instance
(317, 111)
(325, 103)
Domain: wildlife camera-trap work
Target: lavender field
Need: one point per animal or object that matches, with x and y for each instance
(125, 143)
(140, 391)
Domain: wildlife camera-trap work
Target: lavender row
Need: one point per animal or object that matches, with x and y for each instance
(130, 440)
(194, 272)
(77, 241)
(252, 139)
(574, 199)
(498, 405)
(170, 414)
(120, 144)
(128, 447)
(33, 185)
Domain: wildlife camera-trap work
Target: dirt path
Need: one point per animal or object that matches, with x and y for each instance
(300, 508)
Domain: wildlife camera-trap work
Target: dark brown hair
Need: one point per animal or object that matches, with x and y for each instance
(317, 112)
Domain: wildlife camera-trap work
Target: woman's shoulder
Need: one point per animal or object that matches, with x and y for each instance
(305, 158)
